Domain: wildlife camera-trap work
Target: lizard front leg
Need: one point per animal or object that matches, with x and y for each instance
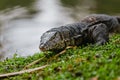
(100, 34)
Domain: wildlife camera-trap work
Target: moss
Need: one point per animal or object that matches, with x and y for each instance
(81, 63)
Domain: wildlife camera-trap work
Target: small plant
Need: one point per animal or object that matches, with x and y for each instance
(80, 63)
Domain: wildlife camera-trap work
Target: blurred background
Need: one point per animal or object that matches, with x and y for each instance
(22, 22)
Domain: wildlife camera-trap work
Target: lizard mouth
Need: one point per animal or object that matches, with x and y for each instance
(42, 49)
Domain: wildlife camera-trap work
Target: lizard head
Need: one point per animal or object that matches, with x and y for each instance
(51, 40)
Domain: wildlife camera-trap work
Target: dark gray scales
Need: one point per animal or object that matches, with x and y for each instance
(91, 29)
(69, 35)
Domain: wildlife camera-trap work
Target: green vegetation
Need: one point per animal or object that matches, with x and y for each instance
(71, 3)
(5, 4)
(108, 6)
(82, 63)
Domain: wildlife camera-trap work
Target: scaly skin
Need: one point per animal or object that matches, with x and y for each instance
(59, 38)
(91, 29)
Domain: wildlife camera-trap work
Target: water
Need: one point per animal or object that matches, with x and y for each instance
(22, 26)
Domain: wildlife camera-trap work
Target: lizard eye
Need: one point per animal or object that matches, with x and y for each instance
(52, 36)
(49, 36)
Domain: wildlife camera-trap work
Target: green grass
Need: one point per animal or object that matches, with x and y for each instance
(81, 63)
